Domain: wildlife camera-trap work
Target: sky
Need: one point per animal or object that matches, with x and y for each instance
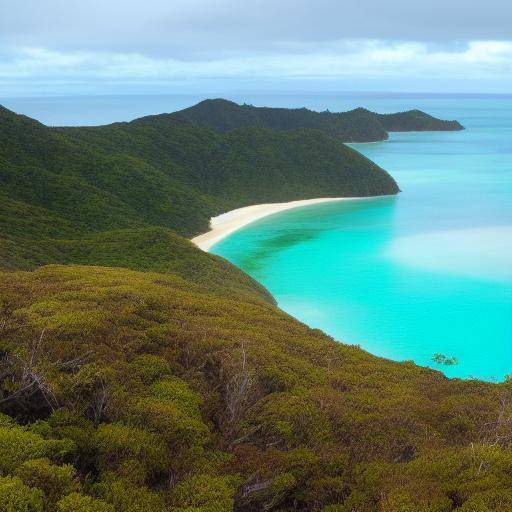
(53, 47)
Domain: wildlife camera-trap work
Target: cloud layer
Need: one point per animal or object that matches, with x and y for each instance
(348, 58)
(187, 28)
(61, 42)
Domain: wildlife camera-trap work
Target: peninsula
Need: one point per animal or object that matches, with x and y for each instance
(358, 125)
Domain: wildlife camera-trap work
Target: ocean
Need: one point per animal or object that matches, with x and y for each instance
(423, 276)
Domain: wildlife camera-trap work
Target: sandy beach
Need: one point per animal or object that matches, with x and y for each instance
(226, 223)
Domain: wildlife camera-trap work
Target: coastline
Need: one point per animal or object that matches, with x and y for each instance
(227, 223)
(368, 142)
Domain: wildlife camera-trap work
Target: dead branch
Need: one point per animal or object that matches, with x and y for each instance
(237, 391)
(25, 376)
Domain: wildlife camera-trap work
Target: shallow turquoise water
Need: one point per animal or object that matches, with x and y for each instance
(406, 277)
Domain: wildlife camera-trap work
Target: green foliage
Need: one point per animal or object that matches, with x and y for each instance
(117, 444)
(76, 502)
(151, 367)
(15, 496)
(172, 409)
(204, 493)
(125, 497)
(55, 481)
(489, 501)
(18, 445)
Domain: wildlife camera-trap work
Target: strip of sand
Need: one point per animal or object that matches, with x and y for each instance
(227, 223)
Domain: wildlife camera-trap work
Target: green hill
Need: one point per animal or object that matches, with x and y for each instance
(142, 374)
(150, 392)
(416, 121)
(358, 125)
(65, 183)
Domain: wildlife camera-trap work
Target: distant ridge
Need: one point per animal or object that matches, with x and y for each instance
(358, 125)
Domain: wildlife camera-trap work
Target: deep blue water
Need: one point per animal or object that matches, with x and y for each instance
(406, 277)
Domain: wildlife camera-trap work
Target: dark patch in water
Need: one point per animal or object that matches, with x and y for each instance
(254, 261)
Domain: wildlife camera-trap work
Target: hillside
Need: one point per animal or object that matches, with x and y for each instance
(152, 393)
(64, 183)
(358, 125)
(140, 374)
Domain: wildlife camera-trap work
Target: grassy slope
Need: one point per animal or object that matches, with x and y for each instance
(358, 125)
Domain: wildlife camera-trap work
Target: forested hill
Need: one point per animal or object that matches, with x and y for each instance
(359, 125)
(142, 374)
(62, 183)
(415, 121)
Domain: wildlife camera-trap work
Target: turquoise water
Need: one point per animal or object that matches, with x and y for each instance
(406, 277)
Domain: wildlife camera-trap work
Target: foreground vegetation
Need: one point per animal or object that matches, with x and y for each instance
(139, 374)
(358, 125)
(133, 391)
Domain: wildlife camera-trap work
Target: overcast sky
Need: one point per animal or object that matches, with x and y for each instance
(95, 46)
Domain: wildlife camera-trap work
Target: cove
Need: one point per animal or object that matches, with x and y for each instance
(407, 277)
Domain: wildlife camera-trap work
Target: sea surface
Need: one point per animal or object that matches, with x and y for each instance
(426, 272)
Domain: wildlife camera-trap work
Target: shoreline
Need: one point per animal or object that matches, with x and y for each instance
(368, 142)
(227, 223)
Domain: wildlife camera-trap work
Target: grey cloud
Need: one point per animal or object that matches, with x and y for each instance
(199, 28)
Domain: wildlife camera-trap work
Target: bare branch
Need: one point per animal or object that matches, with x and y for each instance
(236, 393)
(27, 373)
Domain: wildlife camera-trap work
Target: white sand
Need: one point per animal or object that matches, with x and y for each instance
(226, 223)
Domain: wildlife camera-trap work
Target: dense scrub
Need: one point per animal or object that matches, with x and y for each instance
(144, 391)
(358, 125)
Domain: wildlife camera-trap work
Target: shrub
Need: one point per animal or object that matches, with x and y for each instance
(490, 501)
(205, 493)
(150, 367)
(18, 445)
(15, 496)
(54, 481)
(76, 502)
(117, 443)
(125, 497)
